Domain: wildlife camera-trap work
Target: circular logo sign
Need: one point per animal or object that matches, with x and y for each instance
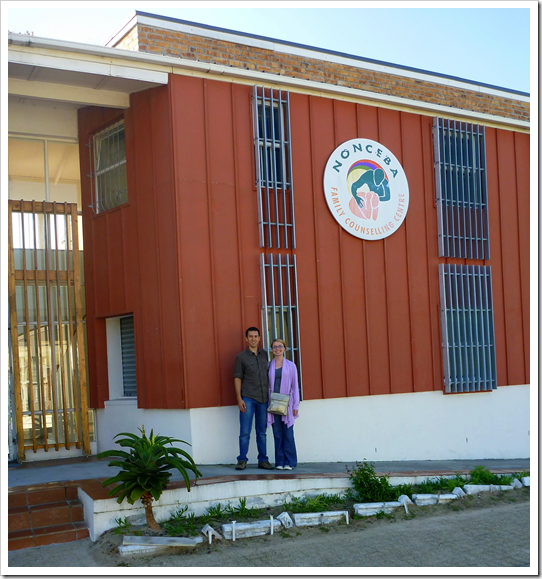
(366, 189)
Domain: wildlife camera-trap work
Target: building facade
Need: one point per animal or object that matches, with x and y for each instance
(212, 166)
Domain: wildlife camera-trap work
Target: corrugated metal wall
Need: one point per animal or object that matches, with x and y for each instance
(183, 255)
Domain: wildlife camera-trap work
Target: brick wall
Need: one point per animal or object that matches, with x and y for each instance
(203, 49)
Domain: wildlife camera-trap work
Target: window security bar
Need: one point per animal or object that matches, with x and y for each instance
(273, 159)
(280, 313)
(461, 189)
(108, 164)
(468, 334)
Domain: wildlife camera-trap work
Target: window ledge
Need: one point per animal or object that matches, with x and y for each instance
(127, 401)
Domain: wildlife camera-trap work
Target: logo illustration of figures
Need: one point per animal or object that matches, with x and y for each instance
(366, 189)
(369, 186)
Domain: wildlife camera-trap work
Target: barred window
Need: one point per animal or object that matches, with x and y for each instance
(468, 334)
(271, 119)
(461, 189)
(108, 161)
(127, 342)
(280, 313)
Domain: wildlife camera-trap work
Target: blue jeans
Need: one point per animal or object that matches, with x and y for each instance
(285, 453)
(259, 411)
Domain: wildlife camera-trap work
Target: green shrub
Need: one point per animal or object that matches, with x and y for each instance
(369, 487)
(145, 469)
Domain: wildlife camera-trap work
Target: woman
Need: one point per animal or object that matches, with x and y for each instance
(283, 379)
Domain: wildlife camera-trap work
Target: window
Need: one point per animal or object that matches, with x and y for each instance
(461, 189)
(121, 358)
(280, 314)
(127, 343)
(468, 335)
(109, 181)
(271, 118)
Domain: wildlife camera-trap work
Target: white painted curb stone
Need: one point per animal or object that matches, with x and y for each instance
(161, 541)
(497, 488)
(209, 532)
(154, 545)
(405, 501)
(369, 509)
(286, 520)
(439, 499)
(307, 519)
(516, 484)
(475, 489)
(526, 480)
(459, 492)
(236, 530)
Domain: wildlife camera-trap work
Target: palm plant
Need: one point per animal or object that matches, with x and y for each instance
(146, 469)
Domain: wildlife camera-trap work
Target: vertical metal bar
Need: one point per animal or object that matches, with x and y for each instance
(266, 170)
(52, 372)
(476, 333)
(484, 182)
(444, 327)
(274, 168)
(257, 161)
(481, 326)
(493, 361)
(289, 309)
(456, 205)
(437, 164)
(70, 345)
(39, 364)
(60, 330)
(451, 320)
(458, 337)
(464, 174)
(283, 176)
(281, 300)
(468, 320)
(480, 207)
(272, 296)
(31, 401)
(79, 331)
(15, 339)
(265, 313)
(487, 319)
(290, 173)
(467, 167)
(447, 140)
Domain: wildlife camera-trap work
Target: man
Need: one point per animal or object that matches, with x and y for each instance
(250, 377)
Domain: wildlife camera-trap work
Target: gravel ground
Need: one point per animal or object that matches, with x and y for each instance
(485, 531)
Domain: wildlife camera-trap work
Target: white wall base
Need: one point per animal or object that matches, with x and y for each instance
(415, 426)
(40, 454)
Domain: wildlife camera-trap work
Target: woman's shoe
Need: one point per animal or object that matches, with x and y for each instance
(279, 467)
(287, 467)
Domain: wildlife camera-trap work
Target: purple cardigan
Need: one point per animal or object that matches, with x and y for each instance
(288, 385)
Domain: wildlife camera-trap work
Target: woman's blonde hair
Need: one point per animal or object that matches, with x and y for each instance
(280, 341)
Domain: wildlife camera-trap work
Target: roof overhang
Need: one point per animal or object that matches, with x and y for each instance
(56, 72)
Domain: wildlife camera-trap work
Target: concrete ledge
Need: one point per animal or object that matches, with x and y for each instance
(369, 509)
(100, 514)
(322, 518)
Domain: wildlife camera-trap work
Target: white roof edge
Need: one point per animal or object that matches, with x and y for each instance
(173, 63)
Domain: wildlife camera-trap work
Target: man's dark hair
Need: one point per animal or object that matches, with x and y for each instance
(252, 329)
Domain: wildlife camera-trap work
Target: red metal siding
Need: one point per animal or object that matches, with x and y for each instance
(183, 255)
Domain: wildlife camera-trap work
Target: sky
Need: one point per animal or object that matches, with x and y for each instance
(487, 42)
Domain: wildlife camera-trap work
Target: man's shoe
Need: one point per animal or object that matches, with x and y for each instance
(266, 465)
(279, 467)
(241, 465)
(287, 467)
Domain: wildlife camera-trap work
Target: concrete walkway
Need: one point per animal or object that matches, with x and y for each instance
(91, 468)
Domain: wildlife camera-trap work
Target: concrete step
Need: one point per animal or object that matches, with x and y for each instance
(44, 514)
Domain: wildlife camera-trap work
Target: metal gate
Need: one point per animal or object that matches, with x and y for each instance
(46, 327)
